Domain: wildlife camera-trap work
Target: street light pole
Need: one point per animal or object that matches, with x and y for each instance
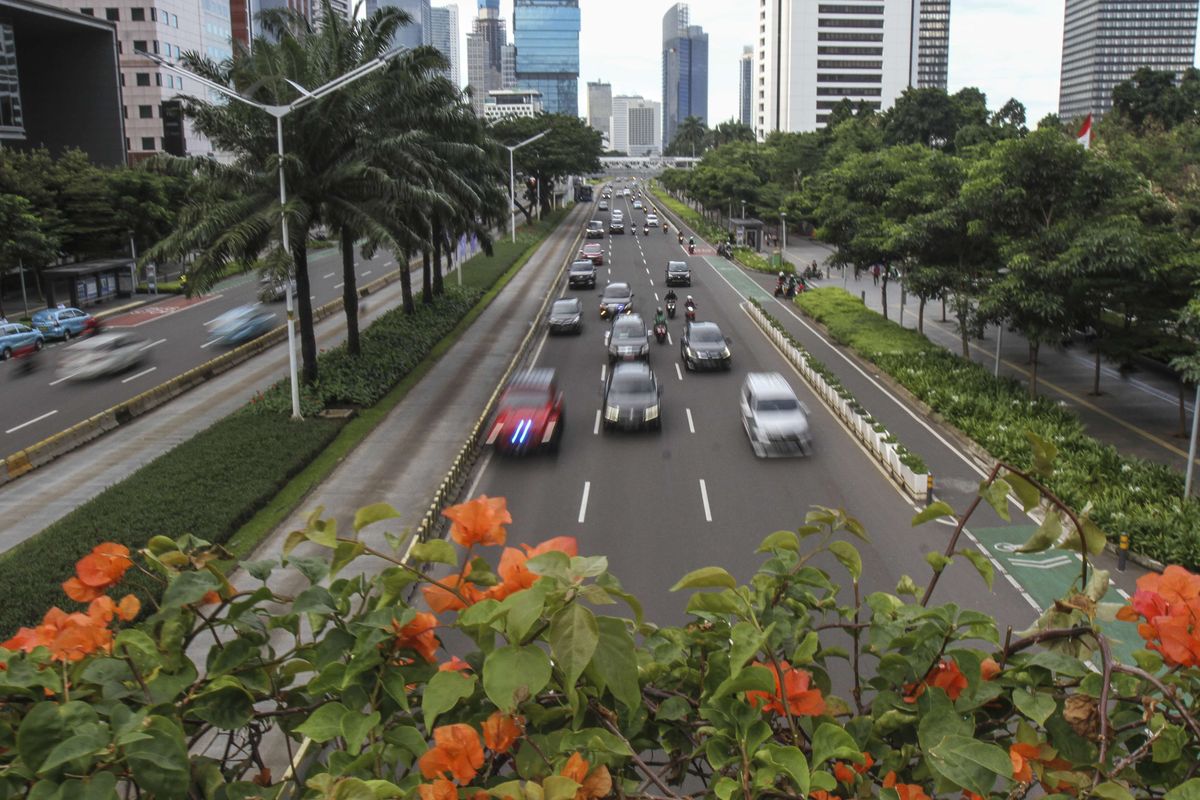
(783, 252)
(1191, 467)
(512, 183)
(999, 341)
(279, 112)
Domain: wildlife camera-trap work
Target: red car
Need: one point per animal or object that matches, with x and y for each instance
(594, 252)
(530, 416)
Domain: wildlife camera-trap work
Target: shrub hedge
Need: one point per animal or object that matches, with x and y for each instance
(1128, 495)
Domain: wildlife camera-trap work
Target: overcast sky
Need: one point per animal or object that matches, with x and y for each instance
(1007, 48)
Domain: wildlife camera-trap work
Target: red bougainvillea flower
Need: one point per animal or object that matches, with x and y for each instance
(821, 794)
(593, 783)
(456, 750)
(479, 521)
(441, 789)
(515, 576)
(801, 700)
(418, 635)
(500, 731)
(945, 675)
(1021, 755)
(906, 791)
(1168, 606)
(455, 664)
(440, 600)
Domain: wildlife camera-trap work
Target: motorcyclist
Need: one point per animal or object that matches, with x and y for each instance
(681, 237)
(645, 230)
(659, 317)
(689, 304)
(691, 241)
(670, 296)
(664, 227)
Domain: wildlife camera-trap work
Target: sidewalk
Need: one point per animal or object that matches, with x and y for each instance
(1136, 412)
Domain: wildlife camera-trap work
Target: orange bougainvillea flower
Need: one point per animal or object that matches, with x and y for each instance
(821, 794)
(1021, 755)
(418, 635)
(515, 576)
(593, 783)
(104, 566)
(989, 669)
(1169, 604)
(69, 637)
(479, 521)
(456, 750)
(440, 600)
(455, 664)
(945, 675)
(843, 773)
(441, 789)
(906, 791)
(79, 591)
(802, 700)
(103, 609)
(500, 731)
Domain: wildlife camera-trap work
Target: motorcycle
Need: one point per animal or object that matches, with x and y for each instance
(691, 249)
(645, 230)
(660, 332)
(681, 238)
(780, 286)
(27, 359)
(689, 311)
(664, 229)
(671, 309)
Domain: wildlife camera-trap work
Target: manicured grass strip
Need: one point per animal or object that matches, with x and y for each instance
(1128, 495)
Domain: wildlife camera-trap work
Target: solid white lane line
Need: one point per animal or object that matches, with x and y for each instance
(603, 368)
(669, 338)
(327, 277)
(63, 378)
(487, 459)
(596, 427)
(678, 373)
(140, 374)
(704, 497)
(35, 419)
(152, 344)
(338, 285)
(206, 344)
(587, 488)
(691, 425)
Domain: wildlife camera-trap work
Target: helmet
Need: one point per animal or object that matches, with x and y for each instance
(658, 310)
(689, 298)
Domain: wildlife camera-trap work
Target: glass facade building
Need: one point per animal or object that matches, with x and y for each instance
(685, 71)
(417, 32)
(11, 124)
(746, 87)
(1106, 41)
(444, 36)
(546, 35)
(931, 56)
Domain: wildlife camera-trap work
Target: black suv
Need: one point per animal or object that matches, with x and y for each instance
(678, 274)
(616, 226)
(582, 275)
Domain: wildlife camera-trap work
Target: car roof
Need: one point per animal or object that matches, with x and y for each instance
(629, 320)
(632, 366)
(618, 285)
(583, 262)
(677, 264)
(769, 384)
(562, 301)
(704, 325)
(595, 222)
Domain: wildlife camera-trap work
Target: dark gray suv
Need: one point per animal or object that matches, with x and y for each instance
(582, 275)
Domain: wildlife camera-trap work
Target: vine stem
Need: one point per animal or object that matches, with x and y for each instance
(650, 774)
(1137, 672)
(1106, 664)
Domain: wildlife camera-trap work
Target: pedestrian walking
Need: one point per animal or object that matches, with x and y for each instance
(875, 274)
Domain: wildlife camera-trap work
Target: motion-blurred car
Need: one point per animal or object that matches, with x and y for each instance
(582, 274)
(628, 341)
(637, 205)
(631, 398)
(566, 316)
(273, 290)
(652, 220)
(595, 229)
(60, 323)
(102, 354)
(242, 324)
(15, 337)
(604, 204)
(594, 253)
(530, 414)
(616, 227)
(776, 422)
(616, 298)
(678, 273)
(703, 346)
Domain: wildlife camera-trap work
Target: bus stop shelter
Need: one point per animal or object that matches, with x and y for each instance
(87, 283)
(747, 233)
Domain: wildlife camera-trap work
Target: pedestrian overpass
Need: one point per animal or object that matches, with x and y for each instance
(624, 166)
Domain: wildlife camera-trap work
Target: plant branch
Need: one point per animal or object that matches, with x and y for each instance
(1167, 692)
(958, 529)
(1106, 662)
(650, 774)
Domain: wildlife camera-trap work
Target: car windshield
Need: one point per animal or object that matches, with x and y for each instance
(678, 266)
(617, 291)
(566, 307)
(707, 335)
(42, 316)
(524, 398)
(632, 384)
(628, 329)
(582, 266)
(777, 404)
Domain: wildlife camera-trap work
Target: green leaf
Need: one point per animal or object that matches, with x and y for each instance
(804, 652)
(616, 659)
(983, 565)
(937, 561)
(1112, 791)
(1044, 453)
(343, 554)
(351, 789)
(725, 601)
(791, 761)
(314, 600)
(46, 724)
(443, 692)
(907, 587)
(847, 555)
(293, 540)
(226, 705)
(1037, 706)
(1045, 536)
(1093, 537)
(573, 638)
(322, 532)
(831, 742)
(706, 578)
(559, 787)
(996, 495)
(725, 788)
(553, 563)
(934, 510)
(160, 763)
(1025, 491)
(189, 587)
(356, 726)
(513, 674)
(369, 515)
(1188, 790)
(90, 740)
(746, 641)
(523, 609)
(750, 679)
(435, 551)
(971, 764)
(780, 540)
(323, 724)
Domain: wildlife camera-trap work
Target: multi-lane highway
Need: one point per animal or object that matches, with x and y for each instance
(176, 334)
(661, 503)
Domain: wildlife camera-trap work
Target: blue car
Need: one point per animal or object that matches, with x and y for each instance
(242, 324)
(61, 323)
(15, 337)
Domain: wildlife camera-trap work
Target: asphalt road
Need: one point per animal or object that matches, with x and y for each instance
(659, 504)
(176, 333)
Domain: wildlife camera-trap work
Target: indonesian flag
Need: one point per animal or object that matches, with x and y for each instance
(1085, 133)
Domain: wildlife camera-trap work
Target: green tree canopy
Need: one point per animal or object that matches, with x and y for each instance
(570, 147)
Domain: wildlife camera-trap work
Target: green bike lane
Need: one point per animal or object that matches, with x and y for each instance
(1039, 578)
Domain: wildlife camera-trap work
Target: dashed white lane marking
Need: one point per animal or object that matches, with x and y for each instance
(35, 419)
(647, 270)
(209, 343)
(678, 372)
(152, 344)
(691, 425)
(603, 368)
(63, 378)
(366, 273)
(652, 281)
(140, 374)
(656, 297)
(596, 426)
(327, 277)
(704, 497)
(338, 285)
(388, 263)
(587, 488)
(669, 338)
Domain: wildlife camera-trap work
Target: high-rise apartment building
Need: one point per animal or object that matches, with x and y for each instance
(746, 87)
(1105, 42)
(636, 125)
(599, 111)
(810, 56)
(685, 71)
(251, 9)
(443, 21)
(416, 33)
(546, 35)
(485, 54)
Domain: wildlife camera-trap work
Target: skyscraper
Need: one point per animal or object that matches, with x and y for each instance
(414, 34)
(810, 56)
(1105, 42)
(599, 111)
(746, 87)
(443, 23)
(485, 54)
(546, 34)
(685, 71)
(636, 125)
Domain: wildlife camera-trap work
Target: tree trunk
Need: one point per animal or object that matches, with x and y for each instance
(921, 316)
(308, 336)
(426, 277)
(1183, 423)
(960, 313)
(438, 245)
(1034, 347)
(1096, 374)
(943, 308)
(406, 285)
(883, 293)
(350, 291)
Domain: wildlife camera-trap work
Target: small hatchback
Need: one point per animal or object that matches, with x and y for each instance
(15, 338)
(61, 323)
(776, 422)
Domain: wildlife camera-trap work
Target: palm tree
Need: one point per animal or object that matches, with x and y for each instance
(690, 137)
